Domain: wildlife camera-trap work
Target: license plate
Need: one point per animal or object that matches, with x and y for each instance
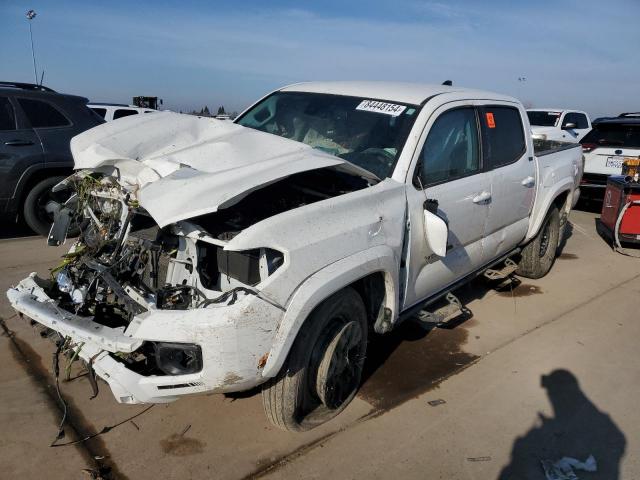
(615, 162)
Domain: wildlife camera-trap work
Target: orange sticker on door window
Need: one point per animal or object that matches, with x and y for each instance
(491, 123)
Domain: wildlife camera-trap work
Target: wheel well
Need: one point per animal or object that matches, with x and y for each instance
(373, 292)
(561, 200)
(36, 177)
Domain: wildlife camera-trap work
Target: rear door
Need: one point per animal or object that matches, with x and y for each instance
(448, 169)
(506, 156)
(605, 148)
(20, 149)
(54, 128)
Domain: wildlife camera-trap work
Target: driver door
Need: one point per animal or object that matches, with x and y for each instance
(448, 169)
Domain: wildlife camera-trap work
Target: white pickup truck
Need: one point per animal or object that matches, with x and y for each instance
(558, 124)
(218, 256)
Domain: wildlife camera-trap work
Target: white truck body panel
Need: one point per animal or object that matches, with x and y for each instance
(178, 167)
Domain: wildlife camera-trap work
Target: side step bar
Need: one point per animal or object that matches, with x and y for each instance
(509, 268)
(452, 309)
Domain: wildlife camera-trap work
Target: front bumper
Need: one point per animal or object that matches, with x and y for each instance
(235, 340)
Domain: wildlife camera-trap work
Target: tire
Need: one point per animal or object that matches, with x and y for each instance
(322, 372)
(539, 254)
(35, 215)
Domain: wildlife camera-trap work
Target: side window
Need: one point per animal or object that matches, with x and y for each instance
(122, 112)
(7, 116)
(451, 148)
(42, 114)
(571, 118)
(99, 111)
(581, 120)
(503, 140)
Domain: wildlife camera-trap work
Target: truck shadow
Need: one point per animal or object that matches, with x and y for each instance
(577, 429)
(10, 229)
(413, 359)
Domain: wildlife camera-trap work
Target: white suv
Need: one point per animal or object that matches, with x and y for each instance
(558, 124)
(114, 111)
(606, 146)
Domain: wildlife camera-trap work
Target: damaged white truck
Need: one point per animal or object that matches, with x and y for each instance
(217, 256)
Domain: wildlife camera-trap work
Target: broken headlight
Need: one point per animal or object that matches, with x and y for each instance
(178, 358)
(219, 268)
(63, 279)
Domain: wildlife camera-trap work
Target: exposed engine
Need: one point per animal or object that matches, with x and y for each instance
(123, 264)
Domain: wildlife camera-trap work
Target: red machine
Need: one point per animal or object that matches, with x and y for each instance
(620, 218)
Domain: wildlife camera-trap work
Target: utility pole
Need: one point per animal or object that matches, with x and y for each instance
(31, 14)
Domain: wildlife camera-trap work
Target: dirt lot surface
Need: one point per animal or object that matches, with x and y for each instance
(550, 368)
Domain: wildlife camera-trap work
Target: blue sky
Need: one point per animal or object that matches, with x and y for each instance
(573, 53)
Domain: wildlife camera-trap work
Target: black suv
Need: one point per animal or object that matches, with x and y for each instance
(36, 126)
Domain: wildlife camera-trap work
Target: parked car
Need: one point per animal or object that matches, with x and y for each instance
(605, 147)
(114, 111)
(558, 124)
(220, 256)
(36, 126)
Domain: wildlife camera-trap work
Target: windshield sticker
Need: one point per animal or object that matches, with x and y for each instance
(381, 107)
(491, 122)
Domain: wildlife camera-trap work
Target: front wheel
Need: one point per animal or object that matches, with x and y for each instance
(41, 203)
(539, 254)
(323, 369)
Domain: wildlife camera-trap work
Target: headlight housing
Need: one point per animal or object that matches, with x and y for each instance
(219, 268)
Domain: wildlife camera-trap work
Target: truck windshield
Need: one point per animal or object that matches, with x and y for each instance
(543, 119)
(367, 132)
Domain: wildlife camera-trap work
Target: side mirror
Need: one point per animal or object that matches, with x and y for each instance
(569, 126)
(436, 233)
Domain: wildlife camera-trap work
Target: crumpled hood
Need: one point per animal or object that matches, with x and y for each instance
(181, 166)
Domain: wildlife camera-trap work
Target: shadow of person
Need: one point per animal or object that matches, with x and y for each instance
(577, 429)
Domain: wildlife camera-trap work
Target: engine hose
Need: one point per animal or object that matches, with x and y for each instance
(617, 246)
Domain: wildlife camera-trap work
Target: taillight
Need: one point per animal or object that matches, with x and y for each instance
(588, 147)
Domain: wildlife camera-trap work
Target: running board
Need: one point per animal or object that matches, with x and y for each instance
(509, 268)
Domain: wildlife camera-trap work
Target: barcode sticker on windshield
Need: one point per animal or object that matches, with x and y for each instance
(381, 107)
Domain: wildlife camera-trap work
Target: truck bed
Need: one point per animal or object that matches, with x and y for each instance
(546, 147)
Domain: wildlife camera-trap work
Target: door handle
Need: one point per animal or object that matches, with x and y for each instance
(529, 182)
(482, 197)
(18, 143)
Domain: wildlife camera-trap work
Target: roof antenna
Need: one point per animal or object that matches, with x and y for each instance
(41, 77)
(448, 83)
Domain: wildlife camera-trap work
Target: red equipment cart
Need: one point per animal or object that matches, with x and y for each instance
(620, 218)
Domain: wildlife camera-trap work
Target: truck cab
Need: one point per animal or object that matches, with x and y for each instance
(558, 124)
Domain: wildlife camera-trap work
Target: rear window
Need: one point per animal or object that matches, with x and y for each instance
(543, 119)
(614, 135)
(503, 140)
(122, 112)
(42, 114)
(7, 117)
(99, 111)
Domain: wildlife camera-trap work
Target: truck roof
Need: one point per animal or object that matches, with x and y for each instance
(412, 93)
(559, 110)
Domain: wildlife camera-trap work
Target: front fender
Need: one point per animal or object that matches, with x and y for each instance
(322, 285)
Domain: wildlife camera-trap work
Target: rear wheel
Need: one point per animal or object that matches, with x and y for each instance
(538, 256)
(323, 370)
(40, 206)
